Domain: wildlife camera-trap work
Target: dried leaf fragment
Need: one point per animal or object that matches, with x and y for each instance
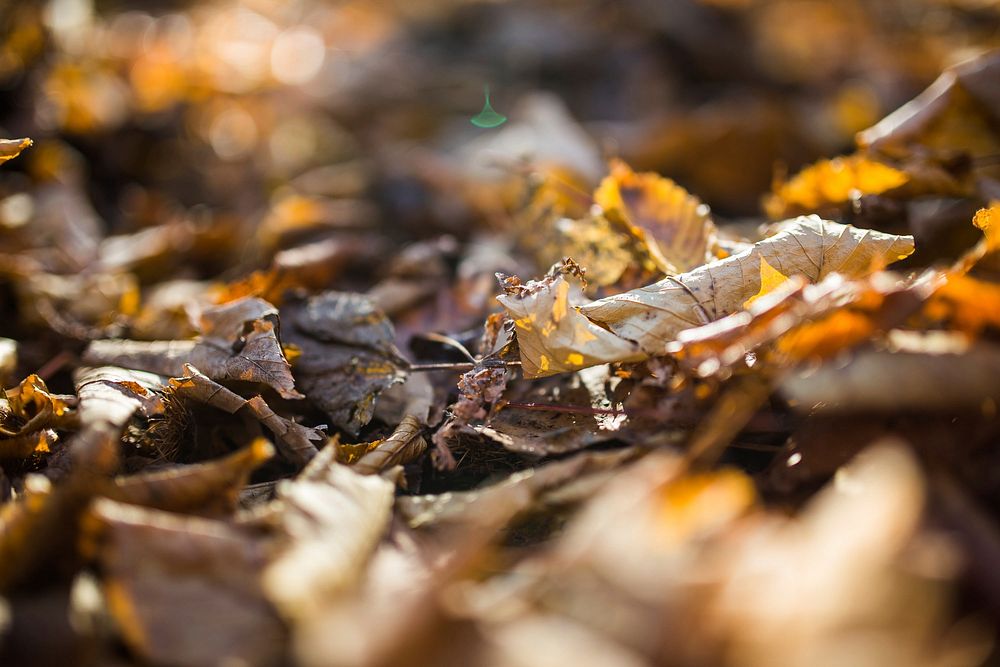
(11, 148)
(770, 278)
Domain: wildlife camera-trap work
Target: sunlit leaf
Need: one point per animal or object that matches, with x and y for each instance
(674, 226)
(11, 148)
(832, 182)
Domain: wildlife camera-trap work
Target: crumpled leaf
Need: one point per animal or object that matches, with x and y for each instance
(11, 148)
(294, 440)
(641, 322)
(27, 413)
(832, 182)
(238, 342)
(552, 334)
(331, 519)
(674, 225)
(347, 354)
(169, 579)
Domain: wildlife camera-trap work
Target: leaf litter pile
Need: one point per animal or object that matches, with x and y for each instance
(309, 358)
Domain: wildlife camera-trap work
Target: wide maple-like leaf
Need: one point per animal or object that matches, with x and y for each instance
(674, 226)
(555, 336)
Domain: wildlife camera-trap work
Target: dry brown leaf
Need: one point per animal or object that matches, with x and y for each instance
(295, 441)
(552, 334)
(330, 519)
(169, 580)
(238, 342)
(556, 334)
(348, 355)
(202, 488)
(672, 224)
(11, 148)
(405, 444)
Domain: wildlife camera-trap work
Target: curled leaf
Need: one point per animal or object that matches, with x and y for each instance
(294, 440)
(556, 333)
(11, 148)
(404, 445)
(238, 342)
(674, 225)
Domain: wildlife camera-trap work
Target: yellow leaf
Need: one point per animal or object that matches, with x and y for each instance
(699, 503)
(770, 278)
(674, 225)
(11, 148)
(832, 182)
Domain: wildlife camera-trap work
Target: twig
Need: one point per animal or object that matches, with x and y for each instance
(457, 366)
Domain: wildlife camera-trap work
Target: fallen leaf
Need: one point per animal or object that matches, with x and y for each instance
(205, 488)
(330, 519)
(552, 334)
(770, 278)
(295, 441)
(11, 148)
(674, 226)
(238, 342)
(404, 445)
(169, 578)
(556, 334)
(832, 182)
(348, 355)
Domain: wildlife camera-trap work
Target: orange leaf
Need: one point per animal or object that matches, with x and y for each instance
(832, 182)
(674, 225)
